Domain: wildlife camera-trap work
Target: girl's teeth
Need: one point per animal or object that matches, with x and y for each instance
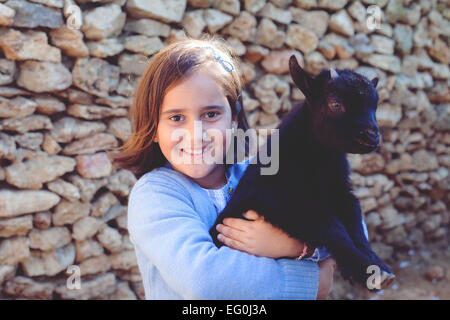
(194, 152)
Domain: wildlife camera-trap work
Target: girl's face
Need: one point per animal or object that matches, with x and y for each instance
(195, 115)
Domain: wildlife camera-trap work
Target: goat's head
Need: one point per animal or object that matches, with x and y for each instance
(343, 106)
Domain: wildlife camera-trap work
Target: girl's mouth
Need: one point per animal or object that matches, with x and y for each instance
(197, 152)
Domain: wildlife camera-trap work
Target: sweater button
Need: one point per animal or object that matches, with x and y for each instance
(230, 190)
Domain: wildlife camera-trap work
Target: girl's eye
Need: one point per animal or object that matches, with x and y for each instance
(211, 114)
(208, 115)
(176, 117)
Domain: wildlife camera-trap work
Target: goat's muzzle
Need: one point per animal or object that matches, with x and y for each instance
(368, 138)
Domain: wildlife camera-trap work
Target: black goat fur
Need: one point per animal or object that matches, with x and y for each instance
(310, 197)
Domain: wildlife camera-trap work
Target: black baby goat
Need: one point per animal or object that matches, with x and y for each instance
(310, 197)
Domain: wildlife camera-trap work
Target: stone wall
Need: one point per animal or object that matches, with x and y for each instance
(66, 87)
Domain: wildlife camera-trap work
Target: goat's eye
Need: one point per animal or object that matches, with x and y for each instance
(336, 106)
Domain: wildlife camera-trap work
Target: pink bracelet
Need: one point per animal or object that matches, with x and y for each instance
(304, 253)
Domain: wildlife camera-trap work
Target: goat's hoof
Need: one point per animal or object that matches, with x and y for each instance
(387, 279)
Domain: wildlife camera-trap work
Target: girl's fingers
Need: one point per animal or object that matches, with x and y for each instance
(230, 232)
(232, 243)
(237, 223)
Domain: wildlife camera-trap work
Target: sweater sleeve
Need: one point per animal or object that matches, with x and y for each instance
(164, 225)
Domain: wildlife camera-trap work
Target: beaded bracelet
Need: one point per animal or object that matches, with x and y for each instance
(304, 252)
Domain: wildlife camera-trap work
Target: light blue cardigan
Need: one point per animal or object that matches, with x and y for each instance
(169, 217)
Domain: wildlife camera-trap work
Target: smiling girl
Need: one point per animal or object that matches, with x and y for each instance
(187, 101)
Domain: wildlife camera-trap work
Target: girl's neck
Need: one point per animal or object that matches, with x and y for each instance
(215, 180)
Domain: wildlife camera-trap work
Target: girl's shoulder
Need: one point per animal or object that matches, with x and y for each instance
(157, 189)
(161, 176)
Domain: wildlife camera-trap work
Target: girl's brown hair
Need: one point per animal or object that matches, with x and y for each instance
(140, 154)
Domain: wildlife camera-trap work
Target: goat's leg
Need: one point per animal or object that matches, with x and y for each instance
(353, 223)
(352, 263)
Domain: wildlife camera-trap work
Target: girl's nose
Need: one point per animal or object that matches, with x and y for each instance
(196, 134)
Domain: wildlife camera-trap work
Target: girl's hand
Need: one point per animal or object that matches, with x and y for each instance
(258, 237)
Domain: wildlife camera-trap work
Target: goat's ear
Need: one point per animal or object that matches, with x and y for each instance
(375, 81)
(302, 80)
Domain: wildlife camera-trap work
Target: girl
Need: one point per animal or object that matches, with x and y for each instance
(186, 102)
